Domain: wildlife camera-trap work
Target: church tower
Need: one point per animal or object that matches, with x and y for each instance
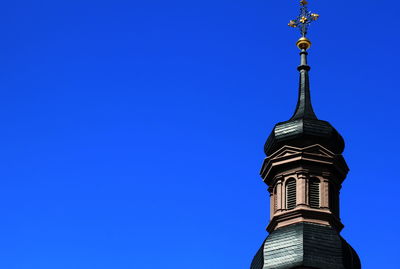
(304, 171)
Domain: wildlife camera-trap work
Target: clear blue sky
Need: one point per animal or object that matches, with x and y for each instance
(132, 132)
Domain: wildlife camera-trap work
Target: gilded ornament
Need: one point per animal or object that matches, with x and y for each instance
(303, 19)
(292, 24)
(314, 16)
(303, 2)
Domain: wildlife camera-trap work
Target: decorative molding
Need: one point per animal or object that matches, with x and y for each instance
(313, 159)
(304, 214)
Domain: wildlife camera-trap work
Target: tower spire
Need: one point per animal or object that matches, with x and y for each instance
(304, 170)
(304, 107)
(304, 128)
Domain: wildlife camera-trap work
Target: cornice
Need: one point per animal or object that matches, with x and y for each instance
(302, 214)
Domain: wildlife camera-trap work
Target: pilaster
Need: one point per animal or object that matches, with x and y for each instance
(325, 193)
(301, 188)
(280, 194)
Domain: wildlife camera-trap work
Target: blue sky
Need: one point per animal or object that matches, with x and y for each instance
(132, 132)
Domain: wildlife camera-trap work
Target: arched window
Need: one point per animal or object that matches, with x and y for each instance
(314, 192)
(291, 193)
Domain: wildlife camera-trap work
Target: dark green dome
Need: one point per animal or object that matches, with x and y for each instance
(304, 132)
(305, 245)
(304, 128)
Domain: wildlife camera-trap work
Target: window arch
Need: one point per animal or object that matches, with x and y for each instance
(291, 193)
(314, 192)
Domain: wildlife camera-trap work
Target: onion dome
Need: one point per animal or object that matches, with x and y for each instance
(304, 128)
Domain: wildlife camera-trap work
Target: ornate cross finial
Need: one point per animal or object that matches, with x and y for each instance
(304, 19)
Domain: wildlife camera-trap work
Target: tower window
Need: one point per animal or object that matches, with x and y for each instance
(314, 192)
(291, 194)
(275, 200)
